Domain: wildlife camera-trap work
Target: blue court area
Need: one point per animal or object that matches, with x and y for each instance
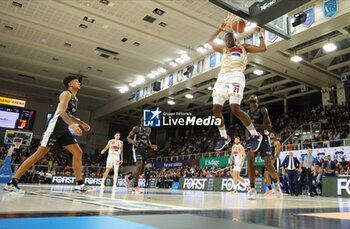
(71, 222)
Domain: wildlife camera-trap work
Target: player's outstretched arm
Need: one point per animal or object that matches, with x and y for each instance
(132, 135)
(64, 99)
(216, 47)
(107, 147)
(255, 49)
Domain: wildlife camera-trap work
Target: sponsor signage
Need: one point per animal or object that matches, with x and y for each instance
(336, 186)
(141, 183)
(97, 181)
(189, 162)
(12, 102)
(213, 161)
(322, 153)
(223, 161)
(218, 184)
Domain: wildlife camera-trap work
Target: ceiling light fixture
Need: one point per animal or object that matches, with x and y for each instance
(150, 75)
(172, 63)
(185, 57)
(329, 47)
(207, 46)
(201, 49)
(189, 96)
(179, 60)
(156, 73)
(123, 89)
(171, 102)
(161, 70)
(258, 72)
(133, 84)
(296, 58)
(140, 80)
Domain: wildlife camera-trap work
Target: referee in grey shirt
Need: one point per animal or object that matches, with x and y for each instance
(307, 162)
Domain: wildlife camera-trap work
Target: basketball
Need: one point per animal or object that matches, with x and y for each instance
(238, 26)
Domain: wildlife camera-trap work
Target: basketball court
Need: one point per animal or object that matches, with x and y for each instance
(151, 54)
(157, 208)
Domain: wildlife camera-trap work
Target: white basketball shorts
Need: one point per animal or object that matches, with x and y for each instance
(229, 85)
(112, 160)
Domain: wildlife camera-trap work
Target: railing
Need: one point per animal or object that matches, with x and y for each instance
(191, 156)
(304, 130)
(316, 145)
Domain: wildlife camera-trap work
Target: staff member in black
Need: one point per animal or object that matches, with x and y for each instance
(306, 164)
(139, 138)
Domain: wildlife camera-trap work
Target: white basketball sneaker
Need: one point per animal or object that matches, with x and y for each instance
(251, 194)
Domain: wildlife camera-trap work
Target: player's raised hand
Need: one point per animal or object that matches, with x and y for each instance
(86, 127)
(76, 130)
(222, 26)
(257, 29)
(154, 147)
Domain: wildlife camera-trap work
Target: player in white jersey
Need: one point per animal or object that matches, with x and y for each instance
(238, 154)
(231, 82)
(114, 159)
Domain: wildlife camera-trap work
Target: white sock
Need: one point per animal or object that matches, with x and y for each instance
(223, 132)
(115, 177)
(252, 129)
(103, 181)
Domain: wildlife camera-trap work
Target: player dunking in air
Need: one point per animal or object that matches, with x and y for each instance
(239, 155)
(260, 117)
(57, 133)
(231, 82)
(115, 157)
(275, 153)
(139, 138)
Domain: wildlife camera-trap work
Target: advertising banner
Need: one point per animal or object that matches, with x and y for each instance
(336, 186)
(161, 164)
(96, 181)
(223, 161)
(322, 153)
(218, 184)
(216, 161)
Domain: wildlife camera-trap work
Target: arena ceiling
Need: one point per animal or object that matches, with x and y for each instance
(43, 41)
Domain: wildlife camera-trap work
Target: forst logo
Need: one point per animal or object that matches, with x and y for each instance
(63, 180)
(194, 183)
(343, 184)
(227, 184)
(90, 181)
